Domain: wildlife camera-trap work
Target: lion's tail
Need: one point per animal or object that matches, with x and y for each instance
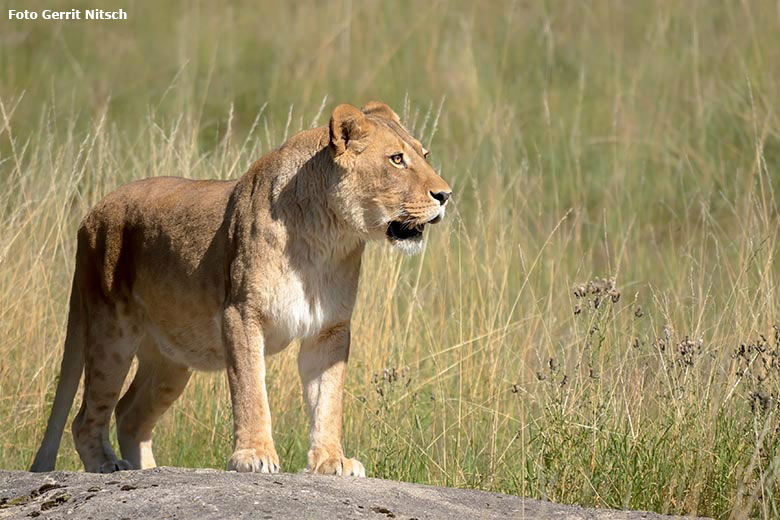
(70, 376)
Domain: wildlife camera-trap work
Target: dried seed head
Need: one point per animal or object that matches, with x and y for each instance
(597, 291)
(580, 290)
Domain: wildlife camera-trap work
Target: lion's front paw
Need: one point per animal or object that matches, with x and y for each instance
(323, 464)
(254, 460)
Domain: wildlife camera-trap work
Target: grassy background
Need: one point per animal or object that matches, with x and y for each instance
(633, 145)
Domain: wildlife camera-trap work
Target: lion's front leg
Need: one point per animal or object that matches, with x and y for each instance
(322, 364)
(253, 443)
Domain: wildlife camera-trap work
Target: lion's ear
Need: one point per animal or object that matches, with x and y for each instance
(380, 109)
(347, 126)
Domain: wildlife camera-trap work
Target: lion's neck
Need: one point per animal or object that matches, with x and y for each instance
(299, 197)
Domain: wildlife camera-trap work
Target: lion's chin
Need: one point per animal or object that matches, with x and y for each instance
(409, 246)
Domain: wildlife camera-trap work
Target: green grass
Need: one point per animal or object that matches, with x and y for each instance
(638, 141)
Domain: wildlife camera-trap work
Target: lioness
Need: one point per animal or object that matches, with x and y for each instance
(208, 275)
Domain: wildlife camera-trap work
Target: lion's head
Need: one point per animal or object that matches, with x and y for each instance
(386, 188)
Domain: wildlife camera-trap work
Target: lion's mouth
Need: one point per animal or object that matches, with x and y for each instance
(398, 230)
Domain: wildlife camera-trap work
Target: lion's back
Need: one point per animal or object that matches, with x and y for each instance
(157, 225)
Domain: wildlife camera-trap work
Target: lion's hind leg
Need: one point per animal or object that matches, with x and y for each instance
(158, 382)
(110, 348)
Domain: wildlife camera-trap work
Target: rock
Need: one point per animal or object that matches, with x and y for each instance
(199, 493)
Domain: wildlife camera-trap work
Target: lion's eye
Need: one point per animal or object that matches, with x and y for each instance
(397, 159)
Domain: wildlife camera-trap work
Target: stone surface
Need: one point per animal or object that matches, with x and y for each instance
(197, 493)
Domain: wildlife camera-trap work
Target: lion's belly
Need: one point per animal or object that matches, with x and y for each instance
(185, 330)
(197, 344)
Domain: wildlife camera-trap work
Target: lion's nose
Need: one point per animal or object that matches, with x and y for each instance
(441, 196)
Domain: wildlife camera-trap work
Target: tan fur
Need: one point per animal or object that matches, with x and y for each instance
(211, 275)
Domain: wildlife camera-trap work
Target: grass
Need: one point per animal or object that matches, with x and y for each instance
(595, 322)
